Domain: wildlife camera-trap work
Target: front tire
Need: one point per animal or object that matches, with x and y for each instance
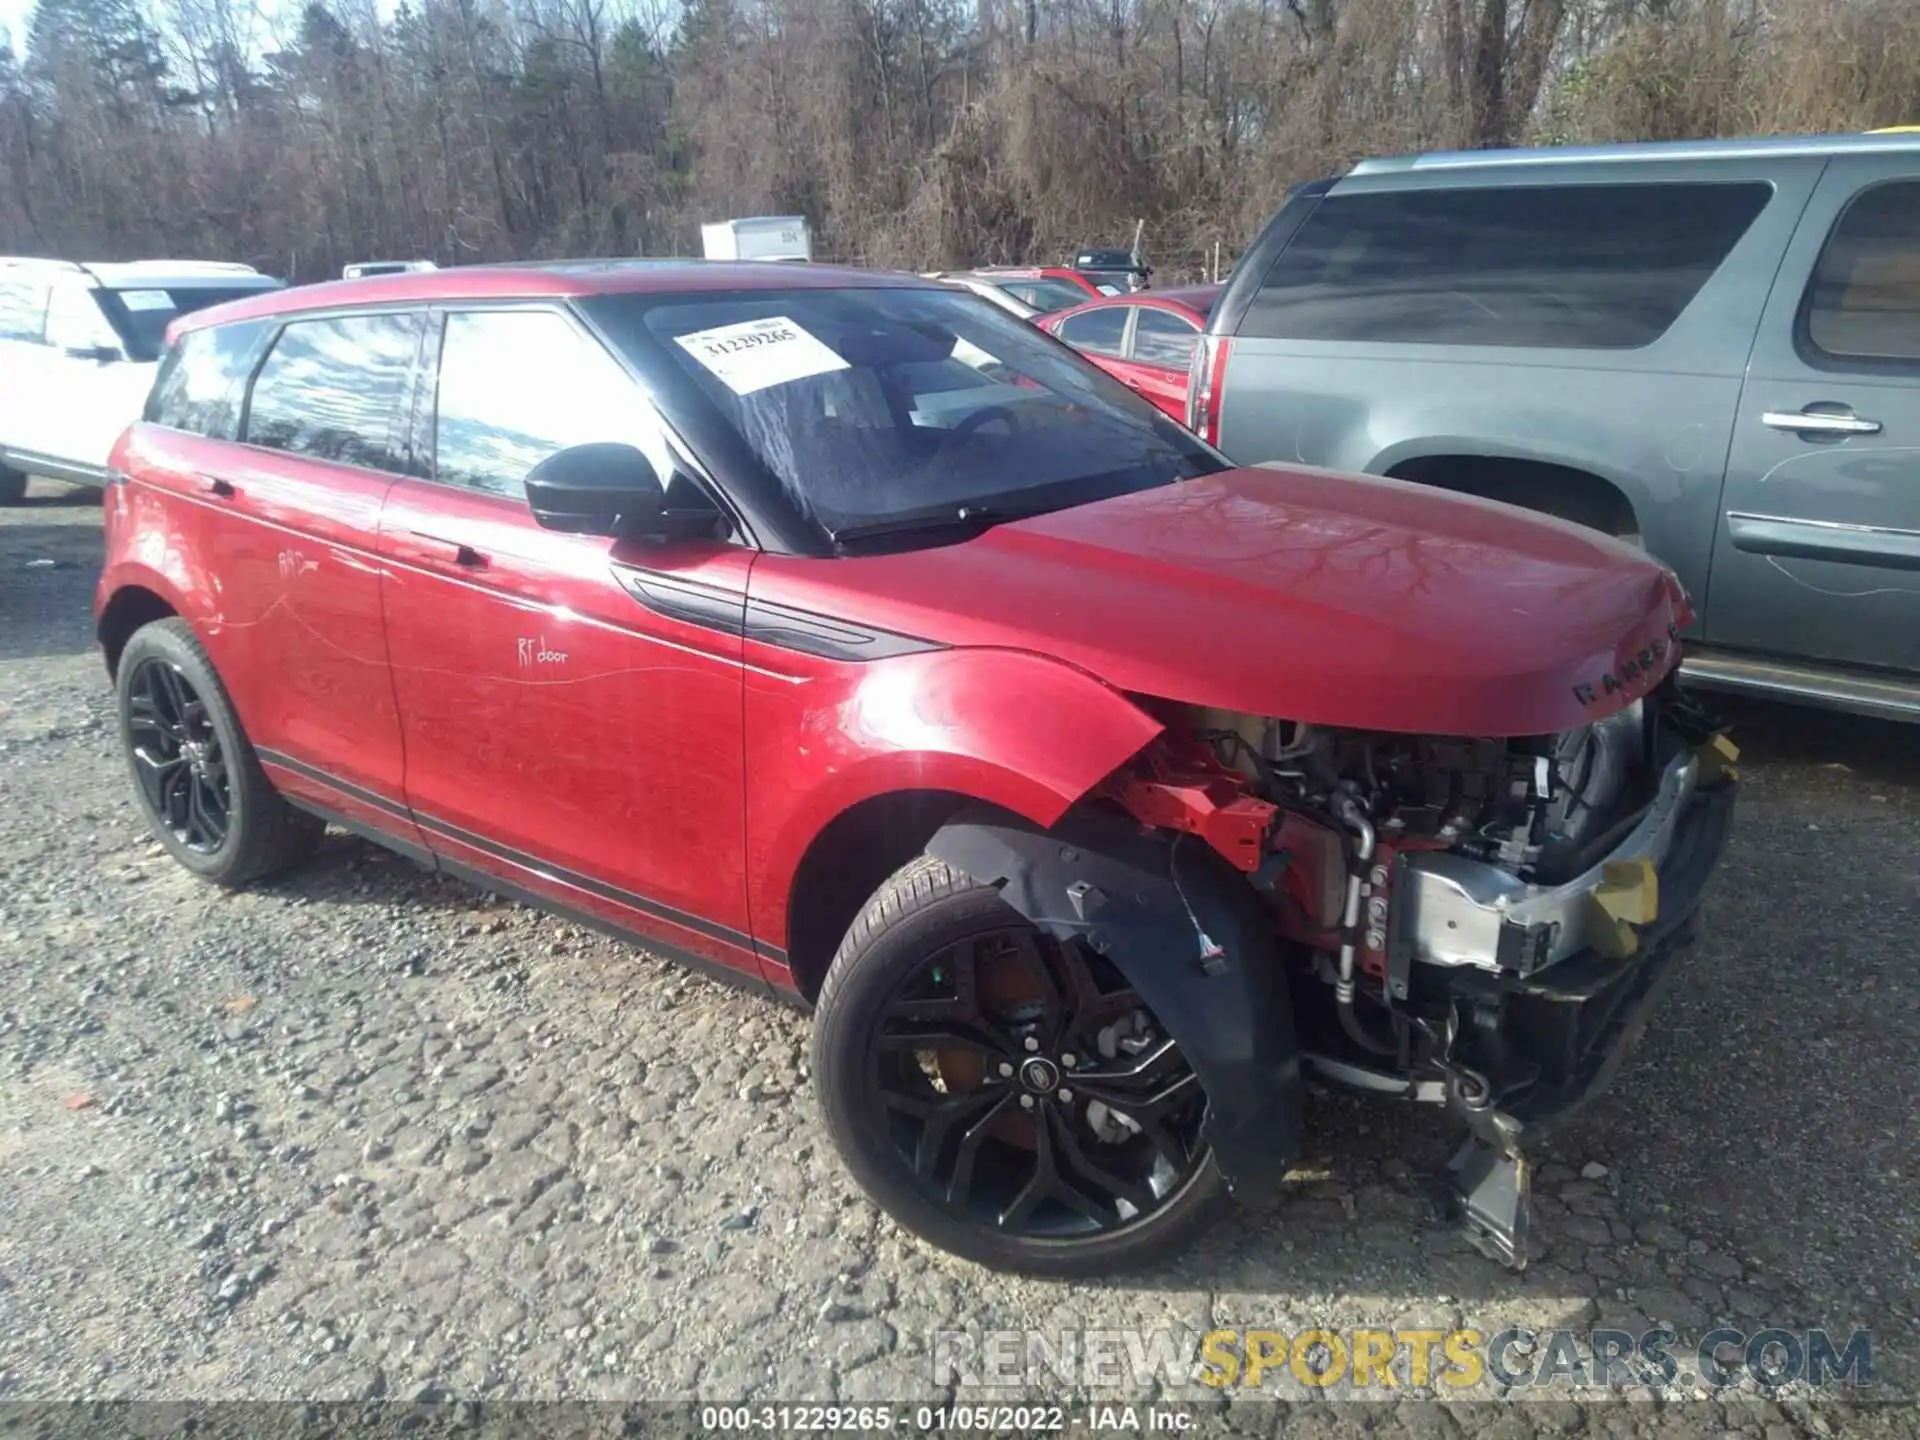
(195, 775)
(1004, 1096)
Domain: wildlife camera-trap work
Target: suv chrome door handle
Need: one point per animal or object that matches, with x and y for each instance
(1815, 422)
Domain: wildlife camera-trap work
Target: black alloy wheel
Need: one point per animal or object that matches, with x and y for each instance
(1028, 1097)
(195, 773)
(1003, 1094)
(177, 758)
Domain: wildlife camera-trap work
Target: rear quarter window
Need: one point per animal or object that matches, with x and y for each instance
(1605, 267)
(1863, 304)
(202, 377)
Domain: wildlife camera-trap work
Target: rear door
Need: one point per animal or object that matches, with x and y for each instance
(1160, 348)
(1818, 550)
(571, 704)
(289, 514)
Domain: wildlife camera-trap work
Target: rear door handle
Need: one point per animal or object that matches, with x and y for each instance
(462, 554)
(1816, 422)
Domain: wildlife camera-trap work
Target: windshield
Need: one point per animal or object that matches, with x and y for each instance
(1046, 293)
(141, 315)
(874, 406)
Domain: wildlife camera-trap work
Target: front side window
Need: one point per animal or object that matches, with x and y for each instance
(518, 385)
(142, 315)
(877, 408)
(23, 309)
(201, 379)
(1864, 300)
(1098, 332)
(1601, 267)
(75, 320)
(333, 389)
(1163, 338)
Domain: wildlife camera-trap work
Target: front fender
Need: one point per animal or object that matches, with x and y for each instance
(1189, 935)
(1012, 729)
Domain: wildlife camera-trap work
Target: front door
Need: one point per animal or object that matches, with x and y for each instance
(99, 387)
(571, 704)
(24, 357)
(1818, 551)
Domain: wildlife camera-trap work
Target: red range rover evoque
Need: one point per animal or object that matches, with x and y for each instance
(842, 635)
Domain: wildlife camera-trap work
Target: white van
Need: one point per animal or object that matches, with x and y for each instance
(79, 345)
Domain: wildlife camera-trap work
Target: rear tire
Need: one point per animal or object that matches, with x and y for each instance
(196, 777)
(954, 1152)
(13, 486)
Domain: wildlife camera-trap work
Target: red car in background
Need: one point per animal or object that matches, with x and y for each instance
(1144, 341)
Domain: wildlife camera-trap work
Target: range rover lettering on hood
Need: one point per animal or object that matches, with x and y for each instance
(1635, 674)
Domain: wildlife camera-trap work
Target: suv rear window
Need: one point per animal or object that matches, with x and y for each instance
(1602, 267)
(1865, 300)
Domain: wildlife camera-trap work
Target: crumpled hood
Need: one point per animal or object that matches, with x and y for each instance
(1334, 599)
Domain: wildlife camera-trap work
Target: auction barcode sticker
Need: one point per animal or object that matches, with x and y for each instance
(754, 354)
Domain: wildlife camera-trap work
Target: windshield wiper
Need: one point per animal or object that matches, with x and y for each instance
(961, 520)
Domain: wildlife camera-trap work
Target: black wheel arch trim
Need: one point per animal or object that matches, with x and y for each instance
(686, 920)
(1188, 933)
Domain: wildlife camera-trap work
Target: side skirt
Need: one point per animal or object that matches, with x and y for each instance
(493, 884)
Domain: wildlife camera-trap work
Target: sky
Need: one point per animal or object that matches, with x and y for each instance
(13, 19)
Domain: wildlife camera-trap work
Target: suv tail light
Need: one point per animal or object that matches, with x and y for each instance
(1206, 376)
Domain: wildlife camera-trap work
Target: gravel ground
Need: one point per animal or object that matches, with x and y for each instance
(363, 1133)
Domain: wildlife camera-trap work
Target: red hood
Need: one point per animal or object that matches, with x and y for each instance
(1334, 599)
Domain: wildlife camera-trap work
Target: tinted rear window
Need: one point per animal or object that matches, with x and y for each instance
(1605, 267)
(201, 379)
(332, 389)
(1864, 302)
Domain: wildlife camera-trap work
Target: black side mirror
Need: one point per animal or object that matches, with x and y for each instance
(99, 354)
(599, 489)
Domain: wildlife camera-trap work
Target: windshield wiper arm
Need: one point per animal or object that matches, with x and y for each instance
(963, 519)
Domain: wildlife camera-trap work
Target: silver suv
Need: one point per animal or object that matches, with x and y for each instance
(1709, 348)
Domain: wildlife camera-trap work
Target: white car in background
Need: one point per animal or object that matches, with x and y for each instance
(79, 346)
(984, 289)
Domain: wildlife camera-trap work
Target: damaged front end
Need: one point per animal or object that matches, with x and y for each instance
(1483, 924)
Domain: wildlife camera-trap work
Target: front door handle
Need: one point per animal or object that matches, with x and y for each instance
(462, 554)
(223, 488)
(1816, 422)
